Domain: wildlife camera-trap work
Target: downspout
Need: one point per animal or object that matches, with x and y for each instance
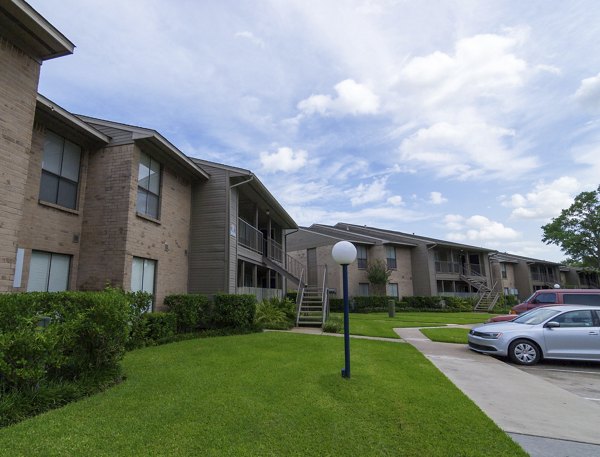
(243, 182)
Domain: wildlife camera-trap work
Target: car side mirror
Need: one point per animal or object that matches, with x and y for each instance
(552, 324)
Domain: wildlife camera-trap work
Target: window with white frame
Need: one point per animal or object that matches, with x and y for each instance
(363, 289)
(361, 256)
(390, 253)
(60, 171)
(392, 290)
(48, 272)
(148, 195)
(143, 275)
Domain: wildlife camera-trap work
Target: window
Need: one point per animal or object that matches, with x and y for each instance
(48, 272)
(549, 298)
(363, 289)
(142, 275)
(361, 256)
(60, 171)
(503, 271)
(575, 319)
(148, 186)
(582, 299)
(392, 290)
(390, 252)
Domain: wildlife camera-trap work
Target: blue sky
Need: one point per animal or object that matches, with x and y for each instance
(469, 121)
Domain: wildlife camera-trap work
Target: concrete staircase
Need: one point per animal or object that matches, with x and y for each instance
(310, 309)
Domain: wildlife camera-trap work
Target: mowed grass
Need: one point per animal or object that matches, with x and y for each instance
(379, 324)
(447, 335)
(269, 394)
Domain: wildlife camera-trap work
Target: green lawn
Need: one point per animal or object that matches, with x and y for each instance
(269, 394)
(447, 335)
(379, 324)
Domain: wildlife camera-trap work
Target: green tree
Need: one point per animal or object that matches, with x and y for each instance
(378, 275)
(577, 230)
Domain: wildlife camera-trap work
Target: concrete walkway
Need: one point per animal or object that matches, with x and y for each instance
(544, 419)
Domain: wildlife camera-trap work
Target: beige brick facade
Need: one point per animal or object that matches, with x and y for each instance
(19, 75)
(47, 227)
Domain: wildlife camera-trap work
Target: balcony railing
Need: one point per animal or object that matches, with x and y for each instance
(274, 250)
(542, 277)
(250, 237)
(457, 268)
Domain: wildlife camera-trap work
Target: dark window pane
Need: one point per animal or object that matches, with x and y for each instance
(53, 148)
(141, 201)
(144, 171)
(70, 163)
(67, 194)
(48, 188)
(152, 206)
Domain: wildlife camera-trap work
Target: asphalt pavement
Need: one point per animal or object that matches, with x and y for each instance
(544, 418)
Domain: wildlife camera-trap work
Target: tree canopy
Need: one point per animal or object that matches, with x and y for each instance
(378, 275)
(577, 230)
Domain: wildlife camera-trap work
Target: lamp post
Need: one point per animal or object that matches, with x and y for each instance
(344, 253)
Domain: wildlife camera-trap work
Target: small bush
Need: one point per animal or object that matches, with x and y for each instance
(193, 311)
(235, 311)
(333, 325)
(270, 316)
(161, 326)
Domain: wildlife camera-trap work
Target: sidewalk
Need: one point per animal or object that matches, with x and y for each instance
(544, 419)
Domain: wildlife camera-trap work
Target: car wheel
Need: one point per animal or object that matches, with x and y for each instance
(524, 352)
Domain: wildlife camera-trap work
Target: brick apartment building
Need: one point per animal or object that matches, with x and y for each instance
(87, 202)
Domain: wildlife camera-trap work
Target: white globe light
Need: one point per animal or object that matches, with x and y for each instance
(344, 253)
(557, 286)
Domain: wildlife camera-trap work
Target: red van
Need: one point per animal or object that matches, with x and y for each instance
(544, 297)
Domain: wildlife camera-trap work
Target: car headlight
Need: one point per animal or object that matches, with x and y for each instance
(486, 335)
(491, 335)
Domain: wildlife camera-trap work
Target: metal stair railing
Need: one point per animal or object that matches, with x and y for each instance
(324, 298)
(299, 297)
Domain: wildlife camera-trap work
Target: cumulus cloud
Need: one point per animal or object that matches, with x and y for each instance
(466, 150)
(285, 159)
(437, 198)
(368, 193)
(545, 201)
(477, 228)
(588, 93)
(479, 67)
(352, 98)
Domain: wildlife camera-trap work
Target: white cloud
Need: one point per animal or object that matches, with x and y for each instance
(437, 198)
(396, 200)
(368, 193)
(251, 37)
(477, 228)
(352, 98)
(481, 66)
(465, 150)
(588, 93)
(545, 200)
(285, 159)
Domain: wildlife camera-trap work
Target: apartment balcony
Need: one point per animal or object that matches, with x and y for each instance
(456, 268)
(254, 239)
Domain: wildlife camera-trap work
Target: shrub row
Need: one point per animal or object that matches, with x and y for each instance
(58, 347)
(380, 304)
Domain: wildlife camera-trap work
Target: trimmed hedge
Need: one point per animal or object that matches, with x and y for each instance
(372, 304)
(161, 327)
(69, 343)
(234, 311)
(193, 311)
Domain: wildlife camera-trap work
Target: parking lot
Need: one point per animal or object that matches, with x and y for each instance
(579, 378)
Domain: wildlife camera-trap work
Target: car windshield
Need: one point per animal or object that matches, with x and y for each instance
(536, 316)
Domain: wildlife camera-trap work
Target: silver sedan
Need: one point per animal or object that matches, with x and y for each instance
(554, 332)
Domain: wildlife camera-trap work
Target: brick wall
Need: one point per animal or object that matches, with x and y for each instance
(166, 241)
(19, 75)
(105, 218)
(113, 233)
(46, 227)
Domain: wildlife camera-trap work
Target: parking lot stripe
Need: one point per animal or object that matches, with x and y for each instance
(568, 371)
(593, 399)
